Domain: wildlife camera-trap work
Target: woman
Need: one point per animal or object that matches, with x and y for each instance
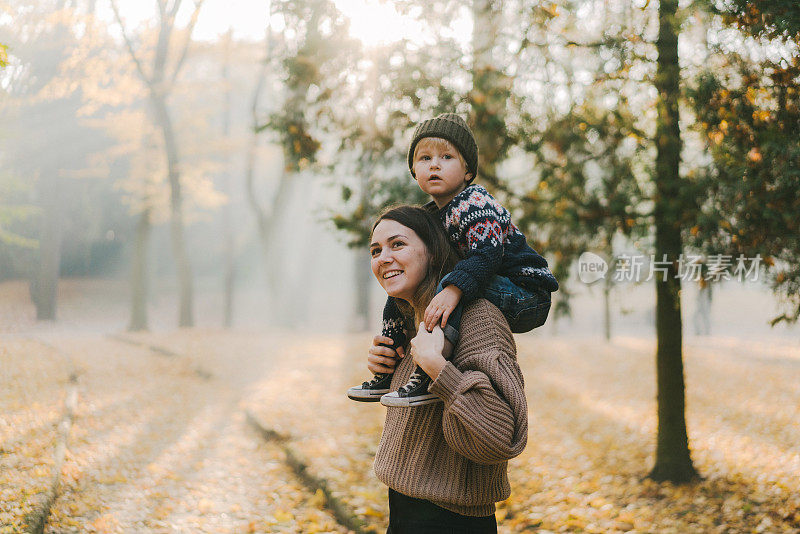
(445, 463)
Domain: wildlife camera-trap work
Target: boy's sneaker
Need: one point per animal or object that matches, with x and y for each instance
(415, 393)
(372, 390)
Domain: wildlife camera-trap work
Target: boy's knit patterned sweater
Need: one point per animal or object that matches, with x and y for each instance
(482, 230)
(455, 454)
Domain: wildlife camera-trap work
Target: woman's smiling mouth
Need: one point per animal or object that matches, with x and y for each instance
(391, 274)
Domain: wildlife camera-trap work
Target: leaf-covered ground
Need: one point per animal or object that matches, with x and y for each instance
(32, 384)
(591, 441)
(159, 443)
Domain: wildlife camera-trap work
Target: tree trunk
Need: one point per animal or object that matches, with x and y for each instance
(608, 285)
(363, 273)
(489, 89)
(265, 218)
(702, 314)
(159, 85)
(183, 268)
(673, 461)
(230, 271)
(266, 221)
(139, 274)
(227, 212)
(44, 287)
(607, 308)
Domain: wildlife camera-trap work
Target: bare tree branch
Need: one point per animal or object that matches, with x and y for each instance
(162, 8)
(174, 10)
(608, 42)
(189, 30)
(162, 51)
(129, 45)
(252, 198)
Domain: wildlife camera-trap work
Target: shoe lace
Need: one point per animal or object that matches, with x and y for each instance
(375, 379)
(413, 382)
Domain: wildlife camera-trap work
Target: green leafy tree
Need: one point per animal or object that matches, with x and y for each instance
(412, 82)
(396, 88)
(313, 63)
(589, 141)
(49, 145)
(749, 114)
(776, 19)
(13, 213)
(308, 58)
(588, 191)
(673, 459)
(609, 120)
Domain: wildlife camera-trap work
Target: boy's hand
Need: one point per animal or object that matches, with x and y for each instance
(441, 306)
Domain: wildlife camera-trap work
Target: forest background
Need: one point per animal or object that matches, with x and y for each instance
(136, 149)
(189, 165)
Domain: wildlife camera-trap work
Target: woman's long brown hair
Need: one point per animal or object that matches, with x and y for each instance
(443, 256)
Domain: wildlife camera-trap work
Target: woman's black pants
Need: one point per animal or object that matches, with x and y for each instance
(408, 515)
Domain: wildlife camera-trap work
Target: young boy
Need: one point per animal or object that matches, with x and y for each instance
(498, 264)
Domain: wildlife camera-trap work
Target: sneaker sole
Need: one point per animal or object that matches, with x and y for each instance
(371, 395)
(409, 402)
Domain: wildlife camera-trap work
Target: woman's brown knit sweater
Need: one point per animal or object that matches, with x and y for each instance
(455, 454)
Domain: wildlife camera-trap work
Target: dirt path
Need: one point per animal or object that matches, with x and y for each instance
(160, 444)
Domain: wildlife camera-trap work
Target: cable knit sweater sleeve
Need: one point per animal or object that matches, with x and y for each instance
(485, 413)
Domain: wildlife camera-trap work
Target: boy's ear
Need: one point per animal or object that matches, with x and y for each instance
(468, 176)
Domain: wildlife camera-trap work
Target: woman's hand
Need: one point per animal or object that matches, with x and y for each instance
(426, 349)
(441, 306)
(383, 359)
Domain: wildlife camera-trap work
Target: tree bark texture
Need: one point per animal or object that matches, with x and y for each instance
(702, 314)
(227, 213)
(266, 219)
(607, 308)
(139, 286)
(159, 84)
(490, 89)
(363, 274)
(673, 461)
(44, 287)
(182, 266)
(266, 216)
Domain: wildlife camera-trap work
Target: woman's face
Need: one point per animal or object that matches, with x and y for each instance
(399, 259)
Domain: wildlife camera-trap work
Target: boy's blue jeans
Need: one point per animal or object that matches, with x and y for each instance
(524, 309)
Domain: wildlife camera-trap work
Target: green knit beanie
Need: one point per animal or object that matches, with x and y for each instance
(453, 128)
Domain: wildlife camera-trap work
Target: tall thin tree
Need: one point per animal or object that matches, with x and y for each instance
(673, 461)
(227, 211)
(160, 81)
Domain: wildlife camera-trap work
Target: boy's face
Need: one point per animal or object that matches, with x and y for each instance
(440, 170)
